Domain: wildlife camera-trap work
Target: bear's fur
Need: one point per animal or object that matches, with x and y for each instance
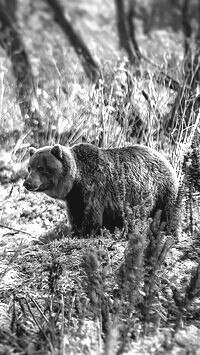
(97, 183)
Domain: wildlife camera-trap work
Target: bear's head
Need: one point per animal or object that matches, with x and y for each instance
(51, 170)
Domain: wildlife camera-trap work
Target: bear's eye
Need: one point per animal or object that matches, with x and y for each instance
(40, 169)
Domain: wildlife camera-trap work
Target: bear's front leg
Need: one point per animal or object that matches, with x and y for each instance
(92, 218)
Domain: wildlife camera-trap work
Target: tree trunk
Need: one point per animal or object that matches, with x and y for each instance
(126, 32)
(130, 19)
(89, 65)
(11, 41)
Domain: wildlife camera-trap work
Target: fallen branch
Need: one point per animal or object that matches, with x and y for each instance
(15, 230)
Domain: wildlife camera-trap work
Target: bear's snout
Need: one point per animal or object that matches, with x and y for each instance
(37, 185)
(28, 185)
(32, 181)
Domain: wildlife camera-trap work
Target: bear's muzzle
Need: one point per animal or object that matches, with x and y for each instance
(28, 185)
(37, 188)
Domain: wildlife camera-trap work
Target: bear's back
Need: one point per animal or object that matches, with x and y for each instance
(141, 168)
(144, 160)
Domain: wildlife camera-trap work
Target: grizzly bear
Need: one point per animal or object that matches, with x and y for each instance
(98, 183)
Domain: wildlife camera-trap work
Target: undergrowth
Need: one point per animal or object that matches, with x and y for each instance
(102, 295)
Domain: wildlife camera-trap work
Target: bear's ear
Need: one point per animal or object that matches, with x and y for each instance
(32, 151)
(57, 151)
